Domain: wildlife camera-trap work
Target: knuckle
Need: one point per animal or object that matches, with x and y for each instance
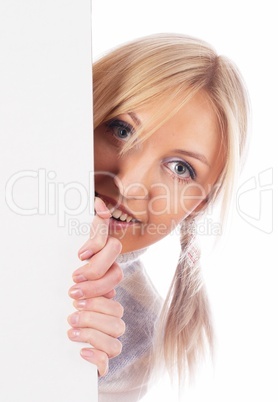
(93, 271)
(118, 309)
(96, 290)
(119, 328)
(115, 348)
(95, 304)
(103, 360)
(98, 242)
(102, 305)
(118, 273)
(84, 319)
(115, 244)
(90, 305)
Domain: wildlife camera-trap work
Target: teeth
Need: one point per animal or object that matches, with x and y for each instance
(123, 217)
(118, 214)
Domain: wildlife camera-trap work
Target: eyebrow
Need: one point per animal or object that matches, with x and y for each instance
(135, 118)
(195, 155)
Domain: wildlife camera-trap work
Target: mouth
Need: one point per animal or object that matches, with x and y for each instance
(118, 212)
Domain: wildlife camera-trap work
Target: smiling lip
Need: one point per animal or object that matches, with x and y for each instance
(119, 213)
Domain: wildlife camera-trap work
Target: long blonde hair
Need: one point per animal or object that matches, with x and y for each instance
(167, 70)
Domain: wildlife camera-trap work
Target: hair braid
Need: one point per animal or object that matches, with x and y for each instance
(187, 329)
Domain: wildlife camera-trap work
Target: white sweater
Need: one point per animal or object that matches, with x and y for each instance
(127, 379)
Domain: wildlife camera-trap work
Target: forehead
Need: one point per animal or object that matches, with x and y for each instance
(195, 121)
(196, 116)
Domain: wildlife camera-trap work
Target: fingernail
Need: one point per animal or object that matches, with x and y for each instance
(79, 278)
(80, 304)
(101, 208)
(87, 353)
(105, 214)
(76, 293)
(73, 319)
(74, 333)
(83, 255)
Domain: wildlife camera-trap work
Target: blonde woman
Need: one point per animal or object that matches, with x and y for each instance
(170, 131)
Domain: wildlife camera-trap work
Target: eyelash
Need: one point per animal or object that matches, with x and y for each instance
(119, 124)
(189, 168)
(113, 125)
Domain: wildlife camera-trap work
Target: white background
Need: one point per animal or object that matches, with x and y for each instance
(241, 271)
(46, 124)
(46, 127)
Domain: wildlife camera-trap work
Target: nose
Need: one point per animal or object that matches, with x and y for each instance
(135, 176)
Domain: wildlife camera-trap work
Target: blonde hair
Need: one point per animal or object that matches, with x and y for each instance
(168, 69)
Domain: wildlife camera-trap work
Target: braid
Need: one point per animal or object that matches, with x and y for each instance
(187, 328)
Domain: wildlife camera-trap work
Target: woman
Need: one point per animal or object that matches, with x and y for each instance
(170, 131)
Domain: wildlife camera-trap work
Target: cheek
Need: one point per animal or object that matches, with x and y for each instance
(104, 159)
(191, 196)
(161, 202)
(105, 168)
(176, 201)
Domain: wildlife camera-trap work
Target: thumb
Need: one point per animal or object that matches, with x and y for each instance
(98, 231)
(101, 209)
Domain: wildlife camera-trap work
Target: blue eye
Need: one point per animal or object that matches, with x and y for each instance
(121, 130)
(181, 170)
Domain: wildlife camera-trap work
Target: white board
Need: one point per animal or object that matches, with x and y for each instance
(46, 156)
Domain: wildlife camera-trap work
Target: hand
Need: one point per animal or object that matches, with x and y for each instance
(98, 319)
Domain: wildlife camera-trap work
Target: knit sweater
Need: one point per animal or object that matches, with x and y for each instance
(128, 376)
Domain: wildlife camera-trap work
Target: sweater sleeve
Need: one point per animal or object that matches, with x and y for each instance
(128, 376)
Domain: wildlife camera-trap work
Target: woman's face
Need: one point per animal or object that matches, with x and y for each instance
(161, 181)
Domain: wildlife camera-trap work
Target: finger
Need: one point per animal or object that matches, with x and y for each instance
(99, 287)
(100, 305)
(98, 358)
(110, 294)
(106, 343)
(107, 324)
(98, 231)
(101, 208)
(99, 263)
